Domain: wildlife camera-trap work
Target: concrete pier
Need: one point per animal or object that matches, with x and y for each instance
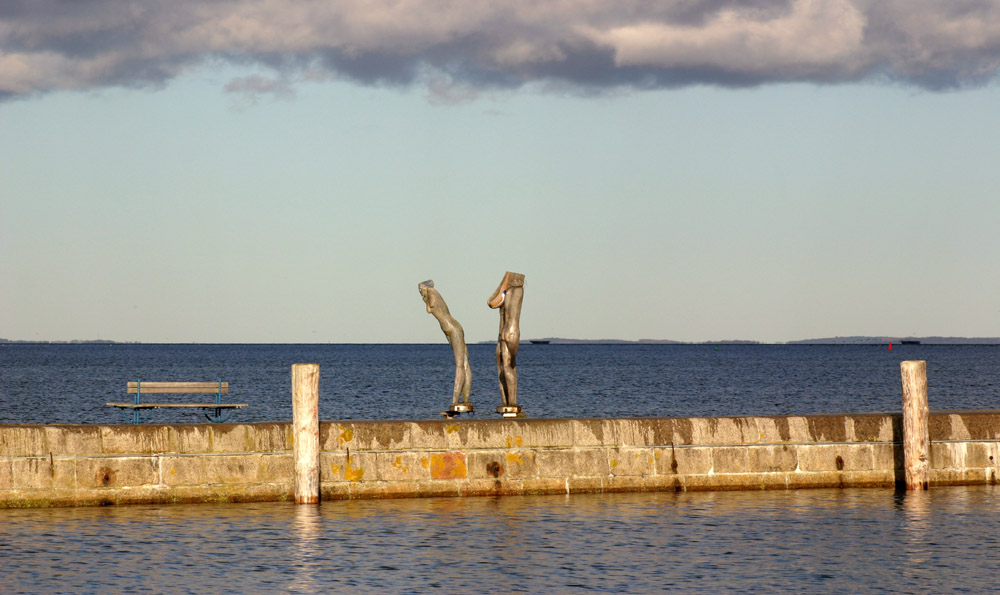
(77, 465)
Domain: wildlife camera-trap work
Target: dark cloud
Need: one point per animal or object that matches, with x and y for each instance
(460, 49)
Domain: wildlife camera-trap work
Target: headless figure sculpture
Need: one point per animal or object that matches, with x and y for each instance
(508, 298)
(456, 336)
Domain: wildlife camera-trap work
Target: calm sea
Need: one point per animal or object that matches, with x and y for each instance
(814, 541)
(807, 541)
(72, 383)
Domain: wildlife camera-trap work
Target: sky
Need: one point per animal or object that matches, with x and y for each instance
(274, 171)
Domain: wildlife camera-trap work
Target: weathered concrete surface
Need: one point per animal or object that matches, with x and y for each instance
(67, 465)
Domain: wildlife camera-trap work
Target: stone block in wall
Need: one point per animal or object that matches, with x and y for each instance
(772, 458)
(556, 462)
(269, 436)
(871, 428)
(488, 464)
(135, 439)
(439, 488)
(591, 462)
(632, 462)
(978, 425)
(949, 455)
(431, 435)
(491, 487)
(875, 478)
(730, 459)
(32, 473)
(230, 438)
(450, 465)
(629, 483)
(402, 466)
(981, 454)
(827, 428)
(277, 467)
(365, 435)
(585, 484)
(73, 439)
(887, 456)
(835, 457)
(944, 477)
(220, 493)
(773, 481)
(594, 432)
(477, 434)
(545, 433)
(946, 455)
(799, 429)
(715, 431)
(939, 427)
(117, 472)
(189, 439)
(692, 460)
(182, 470)
(540, 485)
(642, 431)
(721, 482)
(63, 472)
(354, 467)
(663, 460)
(234, 469)
(6, 475)
(23, 441)
(772, 429)
(520, 463)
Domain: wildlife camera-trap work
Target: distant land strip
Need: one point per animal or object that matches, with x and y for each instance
(853, 340)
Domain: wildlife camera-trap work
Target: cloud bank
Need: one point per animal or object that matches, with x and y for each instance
(458, 48)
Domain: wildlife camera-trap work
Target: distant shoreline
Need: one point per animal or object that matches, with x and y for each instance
(854, 340)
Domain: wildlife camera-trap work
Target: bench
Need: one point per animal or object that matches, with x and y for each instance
(138, 412)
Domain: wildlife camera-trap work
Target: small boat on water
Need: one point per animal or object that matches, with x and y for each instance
(540, 341)
(909, 342)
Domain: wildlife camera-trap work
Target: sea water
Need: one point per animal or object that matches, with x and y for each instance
(46, 383)
(805, 541)
(816, 541)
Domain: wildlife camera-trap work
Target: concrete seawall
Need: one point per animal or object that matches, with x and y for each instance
(79, 465)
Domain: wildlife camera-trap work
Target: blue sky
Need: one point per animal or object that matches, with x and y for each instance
(243, 198)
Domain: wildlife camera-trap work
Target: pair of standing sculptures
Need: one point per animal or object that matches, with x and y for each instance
(507, 298)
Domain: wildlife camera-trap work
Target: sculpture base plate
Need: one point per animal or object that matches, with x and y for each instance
(457, 409)
(509, 410)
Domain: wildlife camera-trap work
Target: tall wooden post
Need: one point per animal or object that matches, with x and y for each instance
(916, 439)
(305, 428)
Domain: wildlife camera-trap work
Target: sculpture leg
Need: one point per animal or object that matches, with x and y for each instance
(466, 379)
(507, 372)
(500, 372)
(510, 371)
(463, 375)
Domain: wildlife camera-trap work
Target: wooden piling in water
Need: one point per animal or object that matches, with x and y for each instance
(305, 428)
(916, 439)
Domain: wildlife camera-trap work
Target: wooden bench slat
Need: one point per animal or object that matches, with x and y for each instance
(153, 388)
(157, 405)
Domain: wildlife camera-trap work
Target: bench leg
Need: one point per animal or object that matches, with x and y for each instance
(219, 416)
(135, 416)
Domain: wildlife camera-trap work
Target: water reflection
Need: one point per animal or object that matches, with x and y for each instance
(811, 540)
(307, 550)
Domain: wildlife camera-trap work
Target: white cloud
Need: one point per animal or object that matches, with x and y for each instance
(813, 36)
(585, 44)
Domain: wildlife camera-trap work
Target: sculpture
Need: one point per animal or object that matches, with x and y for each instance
(507, 298)
(456, 336)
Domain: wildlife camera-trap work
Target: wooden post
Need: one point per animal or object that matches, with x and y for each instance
(305, 428)
(916, 439)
